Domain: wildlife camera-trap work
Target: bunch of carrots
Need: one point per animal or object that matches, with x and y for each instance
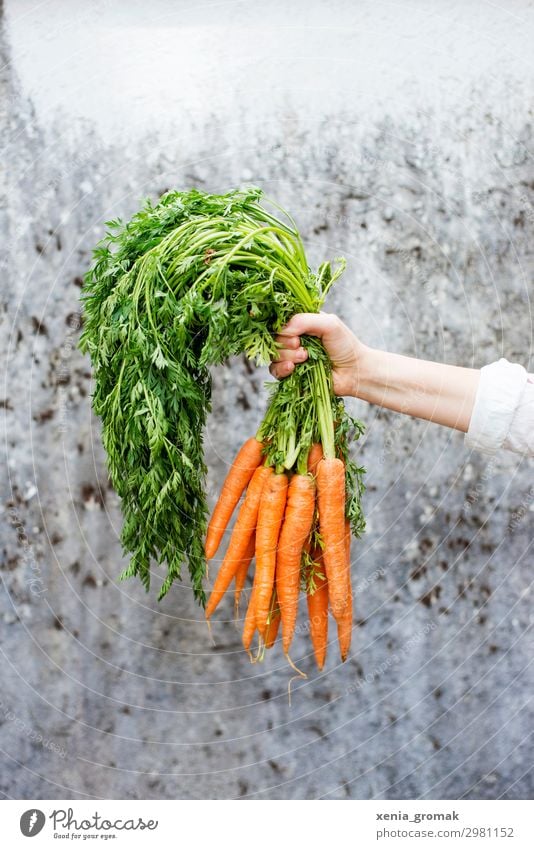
(187, 283)
(294, 525)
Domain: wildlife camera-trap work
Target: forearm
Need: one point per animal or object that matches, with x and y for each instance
(439, 393)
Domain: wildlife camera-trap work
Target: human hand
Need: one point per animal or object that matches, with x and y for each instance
(343, 348)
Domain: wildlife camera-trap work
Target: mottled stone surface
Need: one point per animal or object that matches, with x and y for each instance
(403, 146)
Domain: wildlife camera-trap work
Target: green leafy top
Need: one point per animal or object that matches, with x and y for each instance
(184, 285)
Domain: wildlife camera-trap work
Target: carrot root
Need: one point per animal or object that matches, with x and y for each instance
(296, 528)
(318, 610)
(331, 507)
(239, 553)
(273, 625)
(270, 517)
(344, 625)
(245, 463)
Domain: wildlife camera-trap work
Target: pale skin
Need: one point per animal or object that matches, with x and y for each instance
(436, 392)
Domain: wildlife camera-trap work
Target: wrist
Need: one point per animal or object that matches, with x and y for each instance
(365, 370)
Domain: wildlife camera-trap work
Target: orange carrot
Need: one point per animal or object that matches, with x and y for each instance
(331, 506)
(240, 539)
(250, 622)
(316, 454)
(271, 632)
(246, 462)
(242, 571)
(318, 611)
(296, 528)
(344, 625)
(270, 517)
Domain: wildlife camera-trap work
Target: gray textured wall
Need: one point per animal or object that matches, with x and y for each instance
(400, 139)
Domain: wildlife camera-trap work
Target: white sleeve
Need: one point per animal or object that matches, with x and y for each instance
(503, 413)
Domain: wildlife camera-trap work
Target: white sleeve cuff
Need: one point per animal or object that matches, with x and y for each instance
(499, 391)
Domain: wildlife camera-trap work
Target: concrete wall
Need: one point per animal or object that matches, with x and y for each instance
(399, 136)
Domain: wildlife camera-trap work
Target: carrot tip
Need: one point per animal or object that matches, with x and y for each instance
(292, 665)
(210, 632)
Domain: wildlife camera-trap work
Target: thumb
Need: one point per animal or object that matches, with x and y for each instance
(312, 323)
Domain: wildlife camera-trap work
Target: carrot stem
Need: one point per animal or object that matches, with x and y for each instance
(324, 411)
